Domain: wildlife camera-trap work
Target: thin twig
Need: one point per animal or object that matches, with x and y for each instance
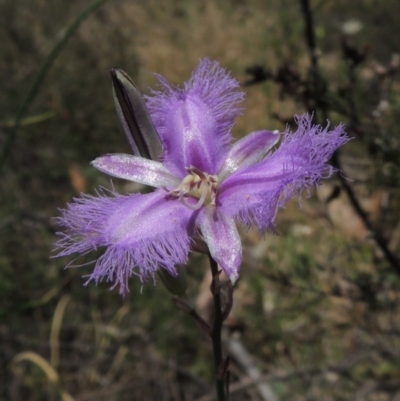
(341, 368)
(239, 352)
(376, 234)
(321, 104)
(317, 86)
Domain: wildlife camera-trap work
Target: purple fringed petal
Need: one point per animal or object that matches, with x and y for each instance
(223, 240)
(137, 169)
(253, 194)
(129, 226)
(194, 123)
(248, 151)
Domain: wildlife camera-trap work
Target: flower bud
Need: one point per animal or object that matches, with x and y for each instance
(134, 117)
(176, 285)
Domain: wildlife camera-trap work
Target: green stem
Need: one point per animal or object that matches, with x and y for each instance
(216, 331)
(33, 91)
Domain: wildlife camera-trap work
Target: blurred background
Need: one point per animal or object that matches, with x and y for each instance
(316, 308)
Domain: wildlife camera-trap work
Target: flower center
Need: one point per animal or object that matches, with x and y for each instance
(198, 185)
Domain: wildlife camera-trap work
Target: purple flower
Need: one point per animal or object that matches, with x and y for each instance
(203, 183)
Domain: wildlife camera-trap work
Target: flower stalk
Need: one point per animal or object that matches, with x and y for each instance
(216, 333)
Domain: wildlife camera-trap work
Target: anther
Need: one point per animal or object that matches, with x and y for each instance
(197, 185)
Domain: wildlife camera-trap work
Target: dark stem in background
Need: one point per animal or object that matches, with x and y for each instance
(351, 101)
(321, 104)
(310, 34)
(217, 330)
(317, 85)
(376, 235)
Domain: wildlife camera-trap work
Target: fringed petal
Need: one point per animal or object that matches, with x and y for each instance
(141, 232)
(254, 194)
(248, 151)
(195, 122)
(137, 169)
(223, 240)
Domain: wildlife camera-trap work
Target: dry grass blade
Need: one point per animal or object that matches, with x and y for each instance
(46, 368)
(55, 331)
(117, 362)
